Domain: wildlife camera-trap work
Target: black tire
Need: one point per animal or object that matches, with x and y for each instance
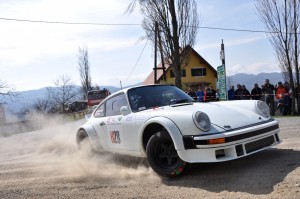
(83, 141)
(162, 155)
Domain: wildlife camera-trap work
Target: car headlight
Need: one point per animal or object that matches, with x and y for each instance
(263, 108)
(202, 121)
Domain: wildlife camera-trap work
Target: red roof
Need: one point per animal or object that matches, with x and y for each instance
(150, 79)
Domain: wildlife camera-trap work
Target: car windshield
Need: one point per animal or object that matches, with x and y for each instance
(147, 97)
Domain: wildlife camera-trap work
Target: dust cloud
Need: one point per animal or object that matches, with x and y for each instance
(52, 151)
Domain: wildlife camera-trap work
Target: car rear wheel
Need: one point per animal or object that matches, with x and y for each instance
(83, 141)
(162, 155)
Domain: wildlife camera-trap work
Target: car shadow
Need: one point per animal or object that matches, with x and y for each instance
(255, 174)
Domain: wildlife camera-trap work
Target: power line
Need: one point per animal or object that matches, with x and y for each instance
(69, 23)
(136, 61)
(133, 24)
(237, 30)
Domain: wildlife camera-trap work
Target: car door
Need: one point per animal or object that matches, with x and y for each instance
(99, 124)
(116, 124)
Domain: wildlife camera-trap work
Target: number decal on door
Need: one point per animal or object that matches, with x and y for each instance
(115, 137)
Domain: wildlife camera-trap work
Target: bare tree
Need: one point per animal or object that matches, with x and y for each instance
(281, 19)
(178, 25)
(7, 92)
(62, 94)
(39, 105)
(84, 70)
(23, 112)
(296, 18)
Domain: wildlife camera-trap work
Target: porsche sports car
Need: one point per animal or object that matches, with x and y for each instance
(164, 124)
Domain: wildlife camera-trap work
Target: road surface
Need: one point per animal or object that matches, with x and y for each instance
(47, 164)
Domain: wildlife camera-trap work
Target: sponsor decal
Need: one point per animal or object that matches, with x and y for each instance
(114, 120)
(115, 137)
(142, 108)
(140, 117)
(129, 118)
(156, 108)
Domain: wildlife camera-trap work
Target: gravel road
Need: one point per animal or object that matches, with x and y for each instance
(47, 164)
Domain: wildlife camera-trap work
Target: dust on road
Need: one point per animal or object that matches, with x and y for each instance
(47, 164)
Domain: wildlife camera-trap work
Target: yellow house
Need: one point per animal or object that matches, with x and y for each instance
(198, 73)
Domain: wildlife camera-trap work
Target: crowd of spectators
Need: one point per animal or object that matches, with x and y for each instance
(207, 94)
(277, 97)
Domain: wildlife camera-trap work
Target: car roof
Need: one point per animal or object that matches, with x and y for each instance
(125, 90)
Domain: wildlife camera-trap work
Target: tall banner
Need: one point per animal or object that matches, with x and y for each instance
(222, 82)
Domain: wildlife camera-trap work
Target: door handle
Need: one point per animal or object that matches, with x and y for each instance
(102, 124)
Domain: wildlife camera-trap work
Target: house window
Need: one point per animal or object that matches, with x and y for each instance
(183, 74)
(198, 72)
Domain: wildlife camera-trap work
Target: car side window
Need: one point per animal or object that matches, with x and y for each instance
(100, 111)
(114, 105)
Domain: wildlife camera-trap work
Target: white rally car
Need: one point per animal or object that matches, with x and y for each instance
(162, 123)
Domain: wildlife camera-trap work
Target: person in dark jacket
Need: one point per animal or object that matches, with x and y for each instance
(245, 93)
(231, 93)
(269, 89)
(256, 92)
(238, 93)
(192, 94)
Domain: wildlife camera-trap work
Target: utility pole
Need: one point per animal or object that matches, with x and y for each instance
(157, 37)
(155, 53)
(161, 55)
(222, 54)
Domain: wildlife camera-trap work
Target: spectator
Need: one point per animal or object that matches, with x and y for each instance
(217, 95)
(281, 92)
(288, 99)
(231, 93)
(245, 93)
(268, 89)
(238, 92)
(207, 94)
(200, 95)
(286, 105)
(192, 94)
(213, 94)
(256, 92)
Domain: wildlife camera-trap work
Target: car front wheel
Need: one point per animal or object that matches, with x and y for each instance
(162, 155)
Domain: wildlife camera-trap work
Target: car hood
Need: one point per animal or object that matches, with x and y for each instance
(226, 115)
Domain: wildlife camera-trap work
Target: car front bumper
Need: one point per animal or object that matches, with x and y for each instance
(236, 143)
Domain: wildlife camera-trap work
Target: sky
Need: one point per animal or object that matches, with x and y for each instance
(34, 55)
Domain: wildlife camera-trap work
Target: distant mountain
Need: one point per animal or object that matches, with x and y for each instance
(249, 79)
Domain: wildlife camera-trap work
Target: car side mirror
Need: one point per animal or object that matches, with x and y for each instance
(124, 110)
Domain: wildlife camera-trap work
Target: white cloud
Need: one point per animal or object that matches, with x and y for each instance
(115, 81)
(32, 41)
(232, 42)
